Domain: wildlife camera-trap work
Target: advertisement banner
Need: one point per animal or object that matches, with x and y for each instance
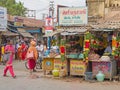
(48, 25)
(72, 16)
(77, 67)
(18, 22)
(3, 19)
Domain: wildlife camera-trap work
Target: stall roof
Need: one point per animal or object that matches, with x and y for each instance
(30, 22)
(24, 33)
(68, 31)
(111, 21)
(102, 27)
(8, 33)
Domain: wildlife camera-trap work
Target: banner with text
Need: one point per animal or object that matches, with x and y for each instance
(18, 22)
(72, 16)
(3, 19)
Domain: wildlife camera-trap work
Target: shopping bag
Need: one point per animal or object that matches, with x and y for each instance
(6, 56)
(30, 55)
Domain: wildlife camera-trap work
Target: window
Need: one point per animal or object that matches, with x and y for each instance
(117, 5)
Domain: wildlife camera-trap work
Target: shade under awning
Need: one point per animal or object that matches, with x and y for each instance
(24, 33)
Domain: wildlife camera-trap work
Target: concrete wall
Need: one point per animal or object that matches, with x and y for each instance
(96, 8)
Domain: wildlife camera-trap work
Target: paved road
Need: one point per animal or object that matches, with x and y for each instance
(23, 82)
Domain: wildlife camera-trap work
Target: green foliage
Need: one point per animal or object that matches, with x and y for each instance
(13, 8)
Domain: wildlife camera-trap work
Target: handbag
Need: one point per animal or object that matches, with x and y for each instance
(30, 55)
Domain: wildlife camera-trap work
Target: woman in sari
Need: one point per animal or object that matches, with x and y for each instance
(11, 51)
(32, 61)
(19, 53)
(23, 50)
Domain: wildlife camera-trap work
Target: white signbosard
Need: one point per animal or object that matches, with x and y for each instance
(3, 19)
(69, 16)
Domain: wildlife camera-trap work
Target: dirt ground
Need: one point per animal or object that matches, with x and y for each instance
(24, 82)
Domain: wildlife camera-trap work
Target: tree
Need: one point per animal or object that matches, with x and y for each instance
(13, 8)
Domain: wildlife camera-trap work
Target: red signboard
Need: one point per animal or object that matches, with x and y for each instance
(49, 24)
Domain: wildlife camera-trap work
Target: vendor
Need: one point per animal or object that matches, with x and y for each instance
(108, 49)
(101, 49)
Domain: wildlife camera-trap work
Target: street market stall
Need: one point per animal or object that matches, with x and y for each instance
(52, 57)
(102, 53)
(75, 50)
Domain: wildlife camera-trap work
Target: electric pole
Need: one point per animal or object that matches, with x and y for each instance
(51, 9)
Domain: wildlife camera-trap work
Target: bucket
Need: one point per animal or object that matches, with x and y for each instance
(88, 76)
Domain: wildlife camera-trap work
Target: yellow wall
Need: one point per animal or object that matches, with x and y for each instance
(95, 8)
(99, 7)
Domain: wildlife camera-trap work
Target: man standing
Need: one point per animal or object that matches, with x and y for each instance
(40, 49)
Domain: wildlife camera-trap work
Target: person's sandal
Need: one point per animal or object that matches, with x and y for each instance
(14, 77)
(4, 75)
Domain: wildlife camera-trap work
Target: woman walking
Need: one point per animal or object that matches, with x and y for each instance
(11, 51)
(32, 60)
(19, 53)
(23, 50)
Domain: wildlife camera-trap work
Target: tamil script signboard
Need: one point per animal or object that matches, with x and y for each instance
(69, 16)
(3, 19)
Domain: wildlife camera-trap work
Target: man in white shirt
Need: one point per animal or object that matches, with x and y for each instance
(40, 49)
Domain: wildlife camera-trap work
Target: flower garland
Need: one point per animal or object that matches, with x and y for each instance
(87, 36)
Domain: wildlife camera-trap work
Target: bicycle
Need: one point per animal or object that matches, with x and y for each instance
(37, 66)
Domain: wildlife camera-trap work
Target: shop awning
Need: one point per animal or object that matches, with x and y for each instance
(106, 26)
(34, 31)
(68, 31)
(8, 33)
(74, 31)
(24, 33)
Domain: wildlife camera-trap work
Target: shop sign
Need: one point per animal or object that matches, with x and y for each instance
(3, 19)
(48, 31)
(77, 67)
(73, 16)
(48, 64)
(18, 22)
(48, 25)
(58, 64)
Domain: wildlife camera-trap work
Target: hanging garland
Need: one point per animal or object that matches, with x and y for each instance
(116, 45)
(87, 36)
(62, 50)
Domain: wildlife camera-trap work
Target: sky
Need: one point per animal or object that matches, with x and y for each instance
(42, 6)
